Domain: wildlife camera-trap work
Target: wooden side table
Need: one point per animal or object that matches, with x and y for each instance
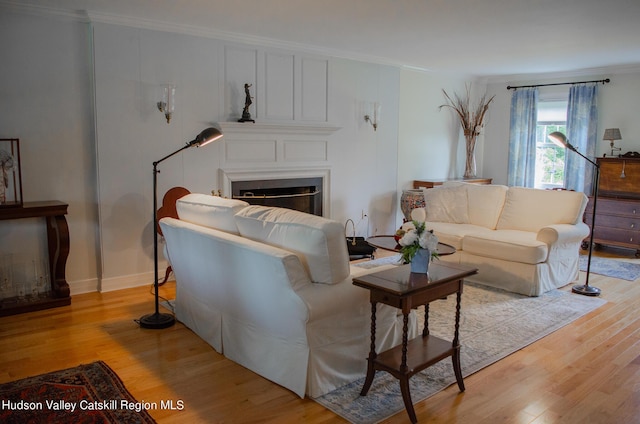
(58, 249)
(400, 288)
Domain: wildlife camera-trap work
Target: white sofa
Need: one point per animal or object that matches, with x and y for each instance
(522, 240)
(272, 290)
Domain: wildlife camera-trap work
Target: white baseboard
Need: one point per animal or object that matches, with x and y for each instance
(84, 286)
(110, 284)
(126, 281)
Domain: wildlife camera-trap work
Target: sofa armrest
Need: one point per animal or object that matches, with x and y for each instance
(563, 233)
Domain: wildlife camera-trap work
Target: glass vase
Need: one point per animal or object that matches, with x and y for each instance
(470, 162)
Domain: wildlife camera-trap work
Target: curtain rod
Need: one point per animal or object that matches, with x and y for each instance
(604, 81)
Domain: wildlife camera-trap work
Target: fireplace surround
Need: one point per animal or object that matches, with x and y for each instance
(306, 190)
(301, 194)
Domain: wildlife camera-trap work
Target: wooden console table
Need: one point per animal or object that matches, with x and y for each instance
(402, 289)
(58, 252)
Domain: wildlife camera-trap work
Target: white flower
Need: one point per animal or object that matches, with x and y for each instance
(428, 240)
(413, 237)
(408, 226)
(410, 237)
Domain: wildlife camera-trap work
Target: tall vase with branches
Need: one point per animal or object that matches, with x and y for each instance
(471, 120)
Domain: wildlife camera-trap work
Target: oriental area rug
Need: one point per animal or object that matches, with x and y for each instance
(494, 324)
(90, 393)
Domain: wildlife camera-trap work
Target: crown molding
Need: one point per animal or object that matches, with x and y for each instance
(90, 16)
(45, 11)
(235, 37)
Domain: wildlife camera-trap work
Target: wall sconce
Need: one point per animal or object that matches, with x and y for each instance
(168, 103)
(372, 114)
(612, 134)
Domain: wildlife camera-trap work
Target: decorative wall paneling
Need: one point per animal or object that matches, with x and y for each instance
(286, 87)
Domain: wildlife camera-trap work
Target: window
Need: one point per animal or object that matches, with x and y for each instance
(552, 116)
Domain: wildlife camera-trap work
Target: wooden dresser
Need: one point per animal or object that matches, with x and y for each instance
(618, 208)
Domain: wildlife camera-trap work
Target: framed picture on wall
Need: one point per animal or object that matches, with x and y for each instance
(10, 175)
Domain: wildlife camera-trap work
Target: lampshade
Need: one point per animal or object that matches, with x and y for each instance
(206, 136)
(558, 139)
(612, 134)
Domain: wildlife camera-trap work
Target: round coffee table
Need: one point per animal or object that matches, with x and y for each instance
(390, 243)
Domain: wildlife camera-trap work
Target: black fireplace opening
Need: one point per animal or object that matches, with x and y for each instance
(301, 194)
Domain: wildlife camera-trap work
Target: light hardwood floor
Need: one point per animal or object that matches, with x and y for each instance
(587, 372)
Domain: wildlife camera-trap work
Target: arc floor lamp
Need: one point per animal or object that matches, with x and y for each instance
(159, 320)
(560, 140)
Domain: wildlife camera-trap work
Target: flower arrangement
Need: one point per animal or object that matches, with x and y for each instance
(414, 236)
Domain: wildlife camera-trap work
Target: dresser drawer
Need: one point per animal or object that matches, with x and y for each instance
(625, 237)
(614, 221)
(615, 207)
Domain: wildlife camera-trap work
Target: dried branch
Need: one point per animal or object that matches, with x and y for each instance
(471, 122)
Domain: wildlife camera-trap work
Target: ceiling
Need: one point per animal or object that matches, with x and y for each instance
(476, 37)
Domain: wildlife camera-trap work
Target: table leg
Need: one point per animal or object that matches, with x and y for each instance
(406, 397)
(58, 246)
(405, 341)
(372, 353)
(425, 328)
(457, 369)
(404, 369)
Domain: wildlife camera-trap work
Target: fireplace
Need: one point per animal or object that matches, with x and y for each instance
(301, 194)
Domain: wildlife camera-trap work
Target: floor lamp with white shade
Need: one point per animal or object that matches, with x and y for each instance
(159, 320)
(560, 140)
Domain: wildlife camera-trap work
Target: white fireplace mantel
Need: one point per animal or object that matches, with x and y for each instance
(270, 150)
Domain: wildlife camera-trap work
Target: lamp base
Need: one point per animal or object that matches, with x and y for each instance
(157, 321)
(586, 290)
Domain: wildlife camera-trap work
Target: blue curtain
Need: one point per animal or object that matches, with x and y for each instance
(522, 137)
(582, 117)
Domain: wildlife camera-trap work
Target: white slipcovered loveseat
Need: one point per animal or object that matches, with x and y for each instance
(522, 240)
(272, 290)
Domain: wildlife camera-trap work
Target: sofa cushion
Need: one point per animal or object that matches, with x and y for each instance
(528, 209)
(507, 245)
(485, 204)
(319, 242)
(447, 204)
(210, 211)
(452, 234)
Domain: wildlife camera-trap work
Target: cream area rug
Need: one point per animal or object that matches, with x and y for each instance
(494, 324)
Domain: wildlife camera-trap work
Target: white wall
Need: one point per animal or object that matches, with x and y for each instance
(129, 66)
(430, 136)
(365, 161)
(617, 108)
(46, 102)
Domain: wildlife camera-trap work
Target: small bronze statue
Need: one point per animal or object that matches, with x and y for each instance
(246, 116)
